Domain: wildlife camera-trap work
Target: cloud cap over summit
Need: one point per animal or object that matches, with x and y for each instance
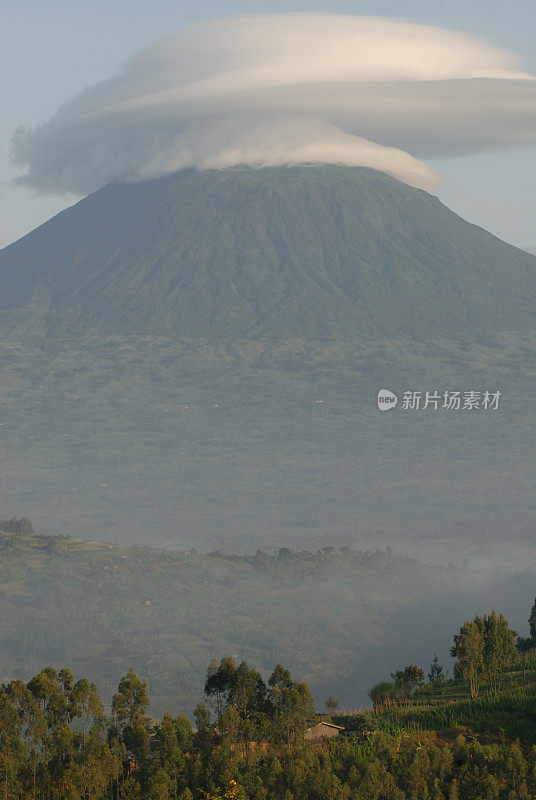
(270, 90)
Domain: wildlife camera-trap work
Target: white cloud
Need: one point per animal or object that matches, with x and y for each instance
(290, 88)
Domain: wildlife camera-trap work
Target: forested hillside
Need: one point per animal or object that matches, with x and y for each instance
(337, 618)
(257, 738)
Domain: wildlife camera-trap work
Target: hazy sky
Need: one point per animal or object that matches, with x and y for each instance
(49, 52)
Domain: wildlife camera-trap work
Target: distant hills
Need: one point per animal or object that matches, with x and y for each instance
(311, 252)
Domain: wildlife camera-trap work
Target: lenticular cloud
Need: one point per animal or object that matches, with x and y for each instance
(272, 90)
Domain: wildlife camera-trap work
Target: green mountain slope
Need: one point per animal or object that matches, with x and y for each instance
(308, 251)
(267, 435)
(240, 445)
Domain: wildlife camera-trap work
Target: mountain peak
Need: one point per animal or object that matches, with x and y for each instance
(312, 252)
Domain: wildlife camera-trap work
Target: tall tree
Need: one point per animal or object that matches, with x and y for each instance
(468, 648)
(499, 648)
(129, 706)
(532, 623)
(485, 648)
(131, 700)
(219, 682)
(290, 705)
(436, 670)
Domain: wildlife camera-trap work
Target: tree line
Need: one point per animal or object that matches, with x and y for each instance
(56, 740)
(58, 743)
(21, 526)
(485, 648)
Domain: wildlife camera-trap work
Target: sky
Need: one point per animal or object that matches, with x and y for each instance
(50, 52)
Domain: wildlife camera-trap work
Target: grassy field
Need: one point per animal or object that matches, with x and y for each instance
(508, 715)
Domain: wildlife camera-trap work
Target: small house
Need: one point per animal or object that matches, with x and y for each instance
(322, 730)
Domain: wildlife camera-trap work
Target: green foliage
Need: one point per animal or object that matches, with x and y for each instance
(53, 738)
(436, 671)
(486, 655)
(484, 647)
(52, 746)
(331, 704)
(511, 714)
(130, 703)
(88, 602)
(381, 694)
(239, 696)
(230, 792)
(406, 681)
(291, 708)
(532, 622)
(14, 525)
(468, 648)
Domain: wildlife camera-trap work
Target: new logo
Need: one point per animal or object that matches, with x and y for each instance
(386, 400)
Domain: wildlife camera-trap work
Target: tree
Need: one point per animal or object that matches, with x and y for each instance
(238, 695)
(468, 649)
(485, 648)
(131, 789)
(12, 717)
(131, 701)
(290, 707)
(166, 748)
(219, 682)
(381, 694)
(22, 526)
(499, 648)
(87, 706)
(524, 646)
(202, 717)
(129, 706)
(331, 703)
(248, 691)
(280, 677)
(285, 553)
(436, 671)
(532, 623)
(39, 762)
(230, 792)
(406, 681)
(52, 692)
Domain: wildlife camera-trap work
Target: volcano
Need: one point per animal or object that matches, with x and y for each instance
(323, 252)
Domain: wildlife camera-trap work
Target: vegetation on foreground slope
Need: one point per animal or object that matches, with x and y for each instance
(57, 742)
(492, 693)
(102, 608)
(336, 617)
